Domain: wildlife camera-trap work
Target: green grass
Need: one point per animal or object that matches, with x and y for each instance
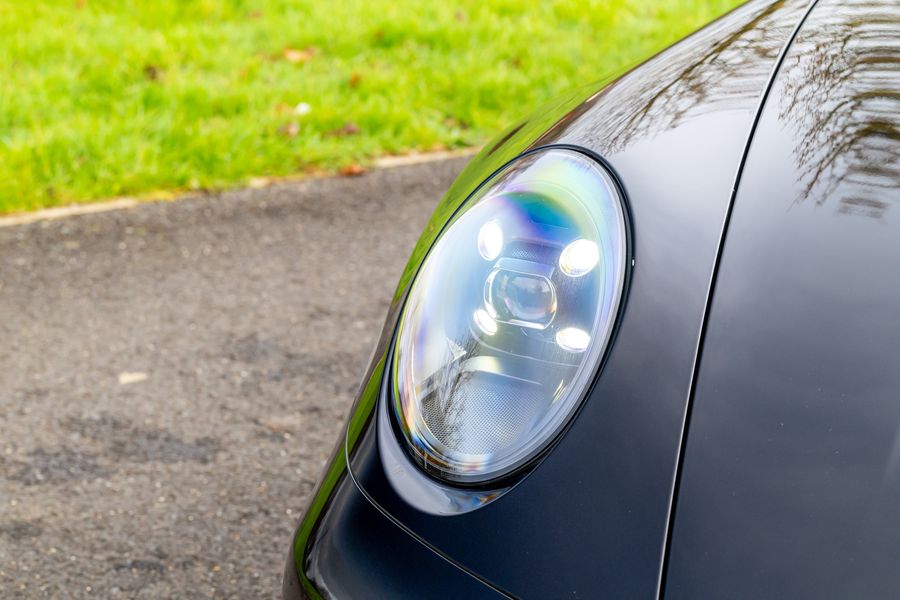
(103, 98)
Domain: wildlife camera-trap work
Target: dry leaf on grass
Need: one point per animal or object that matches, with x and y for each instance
(152, 72)
(352, 170)
(289, 130)
(298, 57)
(344, 130)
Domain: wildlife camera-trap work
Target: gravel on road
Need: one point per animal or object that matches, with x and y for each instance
(175, 375)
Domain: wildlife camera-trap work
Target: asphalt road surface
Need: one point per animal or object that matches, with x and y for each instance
(175, 375)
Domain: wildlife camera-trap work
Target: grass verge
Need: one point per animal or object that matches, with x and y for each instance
(110, 98)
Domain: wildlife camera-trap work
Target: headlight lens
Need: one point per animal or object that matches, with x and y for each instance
(509, 316)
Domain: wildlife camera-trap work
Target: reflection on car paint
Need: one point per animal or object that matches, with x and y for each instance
(841, 102)
(714, 73)
(790, 485)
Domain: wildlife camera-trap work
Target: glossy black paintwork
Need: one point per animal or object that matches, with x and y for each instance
(356, 552)
(791, 475)
(590, 520)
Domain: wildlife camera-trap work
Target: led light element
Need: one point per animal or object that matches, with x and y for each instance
(490, 240)
(484, 321)
(509, 316)
(573, 339)
(579, 258)
(525, 299)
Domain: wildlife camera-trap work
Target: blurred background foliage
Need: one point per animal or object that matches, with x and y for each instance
(107, 98)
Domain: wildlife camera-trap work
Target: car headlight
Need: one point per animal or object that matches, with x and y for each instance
(508, 318)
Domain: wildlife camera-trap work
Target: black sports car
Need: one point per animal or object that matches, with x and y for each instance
(649, 343)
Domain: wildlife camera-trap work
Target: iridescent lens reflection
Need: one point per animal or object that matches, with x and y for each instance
(509, 315)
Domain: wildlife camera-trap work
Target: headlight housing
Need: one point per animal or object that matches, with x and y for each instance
(509, 316)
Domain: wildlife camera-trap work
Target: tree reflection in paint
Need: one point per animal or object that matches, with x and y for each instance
(712, 73)
(841, 98)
